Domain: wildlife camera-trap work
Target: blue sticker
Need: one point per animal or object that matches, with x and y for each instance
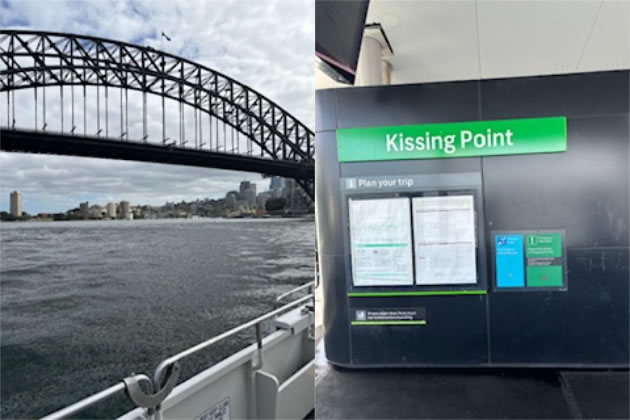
(510, 263)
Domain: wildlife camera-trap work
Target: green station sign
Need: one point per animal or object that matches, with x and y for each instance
(451, 140)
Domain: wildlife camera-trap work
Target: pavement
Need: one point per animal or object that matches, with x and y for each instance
(465, 394)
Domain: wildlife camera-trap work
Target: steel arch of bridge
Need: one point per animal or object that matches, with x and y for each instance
(35, 59)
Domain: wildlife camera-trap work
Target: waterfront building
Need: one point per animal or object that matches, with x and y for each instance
(84, 210)
(97, 212)
(16, 203)
(124, 210)
(231, 200)
(111, 210)
(261, 200)
(249, 195)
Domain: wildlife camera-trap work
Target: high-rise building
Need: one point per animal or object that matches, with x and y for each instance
(111, 210)
(243, 187)
(16, 204)
(125, 212)
(277, 183)
(84, 210)
(248, 193)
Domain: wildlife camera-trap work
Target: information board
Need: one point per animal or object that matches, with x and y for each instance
(380, 237)
(444, 240)
(529, 259)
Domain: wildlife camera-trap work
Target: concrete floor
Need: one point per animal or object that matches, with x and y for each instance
(465, 394)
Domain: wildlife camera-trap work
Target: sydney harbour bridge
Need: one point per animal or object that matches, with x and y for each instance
(86, 96)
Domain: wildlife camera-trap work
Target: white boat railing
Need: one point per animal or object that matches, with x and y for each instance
(167, 372)
(310, 286)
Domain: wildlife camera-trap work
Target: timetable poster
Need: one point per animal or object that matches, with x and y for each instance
(380, 236)
(444, 236)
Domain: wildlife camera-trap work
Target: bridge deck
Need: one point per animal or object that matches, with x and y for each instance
(66, 144)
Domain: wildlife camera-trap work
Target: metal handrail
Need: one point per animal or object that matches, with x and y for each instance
(156, 385)
(95, 398)
(292, 291)
(166, 363)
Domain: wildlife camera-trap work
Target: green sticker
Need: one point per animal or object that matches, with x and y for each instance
(543, 245)
(544, 276)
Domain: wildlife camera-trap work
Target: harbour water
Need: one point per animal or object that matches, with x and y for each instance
(85, 304)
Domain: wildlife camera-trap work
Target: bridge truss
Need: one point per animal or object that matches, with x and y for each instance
(181, 112)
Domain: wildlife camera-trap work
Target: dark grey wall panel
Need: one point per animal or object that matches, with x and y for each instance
(583, 190)
(455, 333)
(327, 195)
(569, 95)
(336, 320)
(325, 110)
(407, 104)
(587, 325)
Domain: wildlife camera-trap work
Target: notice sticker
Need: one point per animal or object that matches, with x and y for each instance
(389, 316)
(219, 411)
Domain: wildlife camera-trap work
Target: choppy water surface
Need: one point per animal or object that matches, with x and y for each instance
(85, 304)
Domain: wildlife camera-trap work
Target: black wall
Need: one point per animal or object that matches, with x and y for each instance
(585, 191)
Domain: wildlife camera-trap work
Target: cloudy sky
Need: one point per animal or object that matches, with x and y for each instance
(266, 44)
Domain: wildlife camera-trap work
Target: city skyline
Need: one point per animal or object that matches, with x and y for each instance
(264, 185)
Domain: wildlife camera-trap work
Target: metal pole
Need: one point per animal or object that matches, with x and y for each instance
(72, 113)
(61, 102)
(195, 118)
(61, 92)
(144, 102)
(210, 118)
(216, 120)
(232, 130)
(126, 111)
(163, 106)
(84, 111)
(44, 86)
(13, 106)
(98, 109)
(121, 115)
(106, 113)
(98, 100)
(144, 116)
(181, 124)
(72, 86)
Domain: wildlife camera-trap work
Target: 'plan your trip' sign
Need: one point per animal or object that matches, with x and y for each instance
(460, 139)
